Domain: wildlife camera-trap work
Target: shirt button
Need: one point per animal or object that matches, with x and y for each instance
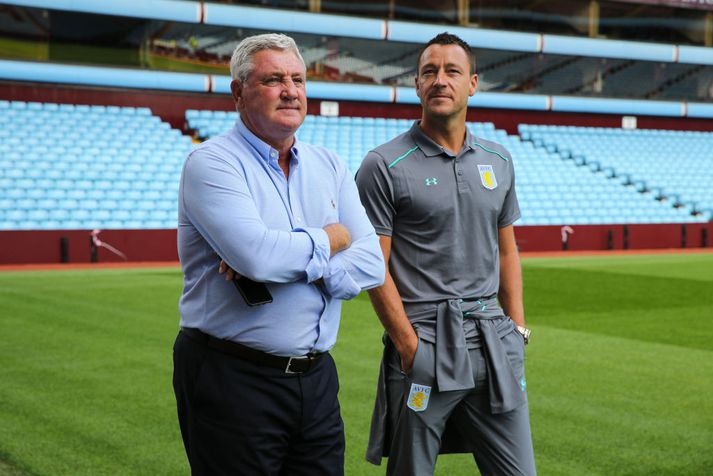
(460, 172)
(273, 153)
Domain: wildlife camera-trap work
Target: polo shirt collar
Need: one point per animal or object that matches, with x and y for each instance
(265, 151)
(430, 148)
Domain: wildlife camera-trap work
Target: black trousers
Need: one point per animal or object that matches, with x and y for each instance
(240, 418)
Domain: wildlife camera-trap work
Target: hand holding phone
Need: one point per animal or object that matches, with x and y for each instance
(253, 292)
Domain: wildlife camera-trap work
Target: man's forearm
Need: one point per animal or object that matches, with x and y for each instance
(339, 237)
(359, 267)
(510, 294)
(388, 306)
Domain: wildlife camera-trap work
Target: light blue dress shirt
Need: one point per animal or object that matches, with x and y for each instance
(236, 204)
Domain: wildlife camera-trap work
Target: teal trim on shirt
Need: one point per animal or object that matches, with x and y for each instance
(491, 151)
(402, 157)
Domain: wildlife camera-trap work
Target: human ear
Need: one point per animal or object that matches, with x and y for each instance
(236, 89)
(473, 84)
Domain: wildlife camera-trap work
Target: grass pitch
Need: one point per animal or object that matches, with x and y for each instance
(619, 372)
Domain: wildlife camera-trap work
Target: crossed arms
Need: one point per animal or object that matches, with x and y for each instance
(345, 256)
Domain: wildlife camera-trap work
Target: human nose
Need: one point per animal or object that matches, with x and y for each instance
(440, 77)
(289, 89)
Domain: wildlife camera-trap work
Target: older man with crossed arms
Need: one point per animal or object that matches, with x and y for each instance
(255, 386)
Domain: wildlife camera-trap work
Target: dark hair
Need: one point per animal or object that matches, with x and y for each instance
(446, 38)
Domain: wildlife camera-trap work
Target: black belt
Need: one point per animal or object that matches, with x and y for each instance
(290, 365)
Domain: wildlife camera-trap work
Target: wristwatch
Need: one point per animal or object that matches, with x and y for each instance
(525, 333)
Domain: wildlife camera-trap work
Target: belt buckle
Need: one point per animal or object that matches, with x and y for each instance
(289, 363)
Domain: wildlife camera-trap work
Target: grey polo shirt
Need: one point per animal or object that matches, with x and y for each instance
(442, 212)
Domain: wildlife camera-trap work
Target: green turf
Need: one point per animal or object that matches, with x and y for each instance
(170, 64)
(619, 372)
(101, 55)
(14, 48)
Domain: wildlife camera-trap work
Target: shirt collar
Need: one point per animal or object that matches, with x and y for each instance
(266, 152)
(430, 148)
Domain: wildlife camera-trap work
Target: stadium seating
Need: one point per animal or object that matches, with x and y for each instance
(350, 137)
(65, 166)
(552, 189)
(675, 167)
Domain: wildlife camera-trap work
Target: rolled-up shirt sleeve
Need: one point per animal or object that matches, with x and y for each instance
(218, 202)
(320, 256)
(361, 266)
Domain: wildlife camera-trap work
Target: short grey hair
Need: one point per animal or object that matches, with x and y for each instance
(241, 64)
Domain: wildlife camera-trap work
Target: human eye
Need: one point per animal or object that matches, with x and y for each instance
(272, 81)
(298, 80)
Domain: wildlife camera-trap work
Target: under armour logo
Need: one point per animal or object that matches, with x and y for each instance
(431, 181)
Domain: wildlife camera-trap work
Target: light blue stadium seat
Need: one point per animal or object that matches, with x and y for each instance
(29, 225)
(133, 194)
(80, 214)
(59, 214)
(88, 204)
(16, 215)
(68, 204)
(126, 204)
(38, 215)
(112, 224)
(170, 194)
(161, 215)
(46, 204)
(133, 224)
(94, 194)
(152, 194)
(8, 225)
(14, 173)
(70, 224)
(100, 214)
(153, 224)
(121, 214)
(76, 193)
(25, 204)
(169, 205)
(140, 214)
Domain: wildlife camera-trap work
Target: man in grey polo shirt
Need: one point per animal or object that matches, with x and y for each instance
(443, 203)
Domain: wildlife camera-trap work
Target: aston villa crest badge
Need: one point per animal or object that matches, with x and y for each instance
(418, 397)
(487, 176)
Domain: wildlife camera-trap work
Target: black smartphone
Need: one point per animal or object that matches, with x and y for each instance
(253, 292)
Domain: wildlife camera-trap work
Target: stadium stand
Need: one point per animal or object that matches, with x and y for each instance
(552, 188)
(66, 166)
(676, 166)
(553, 191)
(78, 167)
(197, 36)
